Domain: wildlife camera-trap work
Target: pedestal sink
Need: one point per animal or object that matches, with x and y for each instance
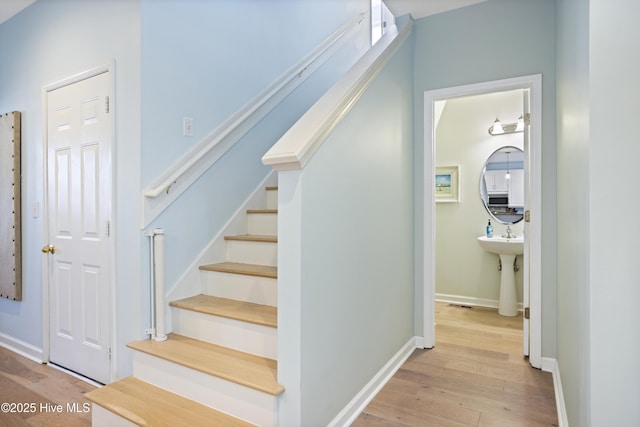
(507, 249)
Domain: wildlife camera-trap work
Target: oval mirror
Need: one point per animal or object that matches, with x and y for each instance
(502, 185)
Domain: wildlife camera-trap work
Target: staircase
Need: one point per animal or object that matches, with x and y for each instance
(218, 367)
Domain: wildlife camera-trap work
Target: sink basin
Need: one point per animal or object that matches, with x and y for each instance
(502, 245)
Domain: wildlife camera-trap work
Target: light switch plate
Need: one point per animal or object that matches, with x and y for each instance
(187, 126)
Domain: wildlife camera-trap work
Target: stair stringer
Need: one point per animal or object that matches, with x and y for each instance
(190, 283)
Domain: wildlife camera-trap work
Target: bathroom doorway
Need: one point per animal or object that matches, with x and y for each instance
(465, 193)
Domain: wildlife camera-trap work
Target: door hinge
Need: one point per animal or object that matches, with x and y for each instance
(527, 119)
(106, 104)
(109, 352)
(527, 312)
(108, 228)
(527, 216)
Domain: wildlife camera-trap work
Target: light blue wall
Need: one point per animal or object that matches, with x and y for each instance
(598, 342)
(357, 245)
(48, 41)
(614, 291)
(573, 202)
(453, 49)
(208, 59)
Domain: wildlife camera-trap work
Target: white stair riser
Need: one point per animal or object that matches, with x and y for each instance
(247, 337)
(240, 287)
(263, 224)
(101, 417)
(249, 252)
(272, 199)
(236, 400)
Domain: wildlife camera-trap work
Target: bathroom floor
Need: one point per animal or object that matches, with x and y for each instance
(475, 376)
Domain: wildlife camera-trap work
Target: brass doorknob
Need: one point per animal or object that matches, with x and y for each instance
(49, 249)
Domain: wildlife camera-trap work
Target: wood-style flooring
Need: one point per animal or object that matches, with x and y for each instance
(475, 376)
(33, 394)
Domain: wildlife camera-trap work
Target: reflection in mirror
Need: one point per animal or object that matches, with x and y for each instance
(502, 185)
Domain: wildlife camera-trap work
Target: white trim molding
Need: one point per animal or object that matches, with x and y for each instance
(22, 348)
(551, 365)
(350, 412)
(534, 84)
(162, 192)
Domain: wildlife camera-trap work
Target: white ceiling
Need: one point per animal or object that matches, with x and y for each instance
(421, 8)
(8, 8)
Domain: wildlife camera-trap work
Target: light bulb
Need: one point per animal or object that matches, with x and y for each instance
(497, 128)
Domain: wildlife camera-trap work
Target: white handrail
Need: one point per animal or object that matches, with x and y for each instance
(294, 74)
(297, 146)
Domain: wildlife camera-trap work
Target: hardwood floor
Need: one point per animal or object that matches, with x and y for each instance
(475, 376)
(40, 395)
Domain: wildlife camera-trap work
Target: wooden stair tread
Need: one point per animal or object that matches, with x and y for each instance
(147, 405)
(272, 188)
(253, 238)
(231, 309)
(240, 268)
(259, 373)
(262, 211)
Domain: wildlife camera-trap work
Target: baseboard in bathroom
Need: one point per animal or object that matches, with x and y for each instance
(469, 301)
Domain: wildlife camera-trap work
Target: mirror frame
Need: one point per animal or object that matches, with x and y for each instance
(484, 194)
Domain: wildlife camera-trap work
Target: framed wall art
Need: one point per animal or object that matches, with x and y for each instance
(447, 184)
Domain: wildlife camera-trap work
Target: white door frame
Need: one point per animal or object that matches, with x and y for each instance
(83, 75)
(534, 84)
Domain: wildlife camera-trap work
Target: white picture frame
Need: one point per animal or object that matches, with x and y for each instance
(447, 184)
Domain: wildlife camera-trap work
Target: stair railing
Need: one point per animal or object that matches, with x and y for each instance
(179, 177)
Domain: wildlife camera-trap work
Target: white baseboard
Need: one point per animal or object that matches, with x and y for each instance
(369, 391)
(470, 301)
(22, 348)
(551, 365)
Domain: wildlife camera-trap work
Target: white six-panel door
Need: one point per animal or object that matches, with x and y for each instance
(78, 214)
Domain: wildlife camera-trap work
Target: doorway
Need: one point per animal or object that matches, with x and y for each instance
(77, 211)
(531, 85)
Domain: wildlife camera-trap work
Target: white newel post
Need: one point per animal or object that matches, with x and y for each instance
(157, 330)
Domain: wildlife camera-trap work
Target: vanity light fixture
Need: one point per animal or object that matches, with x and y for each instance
(499, 128)
(496, 128)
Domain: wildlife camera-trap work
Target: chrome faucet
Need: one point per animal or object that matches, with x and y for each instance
(509, 235)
